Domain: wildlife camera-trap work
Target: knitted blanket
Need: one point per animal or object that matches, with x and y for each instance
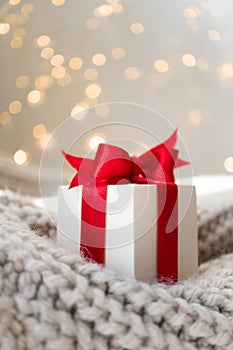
(53, 300)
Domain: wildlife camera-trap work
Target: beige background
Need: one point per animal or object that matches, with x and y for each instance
(194, 92)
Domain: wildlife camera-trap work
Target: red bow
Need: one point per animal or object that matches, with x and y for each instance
(113, 164)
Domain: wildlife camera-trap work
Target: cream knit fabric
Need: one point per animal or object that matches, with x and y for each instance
(53, 300)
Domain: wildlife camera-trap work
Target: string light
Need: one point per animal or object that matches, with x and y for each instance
(118, 53)
(20, 157)
(39, 131)
(137, 28)
(99, 59)
(93, 90)
(132, 73)
(43, 40)
(90, 74)
(228, 164)
(161, 66)
(5, 118)
(95, 141)
(22, 81)
(34, 97)
(4, 28)
(15, 107)
(188, 60)
(57, 60)
(75, 63)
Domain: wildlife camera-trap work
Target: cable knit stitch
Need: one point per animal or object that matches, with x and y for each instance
(53, 300)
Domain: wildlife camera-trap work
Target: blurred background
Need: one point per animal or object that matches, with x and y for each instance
(60, 57)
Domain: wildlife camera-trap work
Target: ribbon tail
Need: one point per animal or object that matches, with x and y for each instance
(171, 141)
(72, 160)
(181, 162)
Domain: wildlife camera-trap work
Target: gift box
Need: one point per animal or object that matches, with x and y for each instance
(137, 241)
(127, 213)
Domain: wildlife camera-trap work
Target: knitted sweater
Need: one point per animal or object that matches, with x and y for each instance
(51, 299)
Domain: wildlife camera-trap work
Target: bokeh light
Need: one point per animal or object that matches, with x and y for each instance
(188, 60)
(214, 35)
(58, 2)
(225, 71)
(14, 2)
(15, 107)
(5, 118)
(43, 82)
(118, 53)
(4, 28)
(75, 63)
(57, 60)
(132, 73)
(190, 12)
(16, 42)
(104, 10)
(137, 28)
(43, 40)
(116, 7)
(20, 157)
(228, 164)
(90, 74)
(39, 131)
(47, 53)
(92, 23)
(22, 81)
(27, 9)
(64, 81)
(99, 59)
(44, 140)
(94, 141)
(34, 97)
(58, 72)
(161, 66)
(78, 112)
(93, 90)
(195, 117)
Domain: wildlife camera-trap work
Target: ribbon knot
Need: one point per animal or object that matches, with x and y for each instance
(113, 164)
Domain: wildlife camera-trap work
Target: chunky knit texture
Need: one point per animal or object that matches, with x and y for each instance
(53, 300)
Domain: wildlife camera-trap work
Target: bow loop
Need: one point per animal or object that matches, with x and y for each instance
(112, 164)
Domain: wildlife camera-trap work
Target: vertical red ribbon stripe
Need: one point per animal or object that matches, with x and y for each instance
(167, 242)
(93, 217)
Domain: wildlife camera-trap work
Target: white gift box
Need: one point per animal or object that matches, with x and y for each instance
(131, 228)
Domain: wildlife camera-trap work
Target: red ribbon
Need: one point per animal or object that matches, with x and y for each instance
(113, 165)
